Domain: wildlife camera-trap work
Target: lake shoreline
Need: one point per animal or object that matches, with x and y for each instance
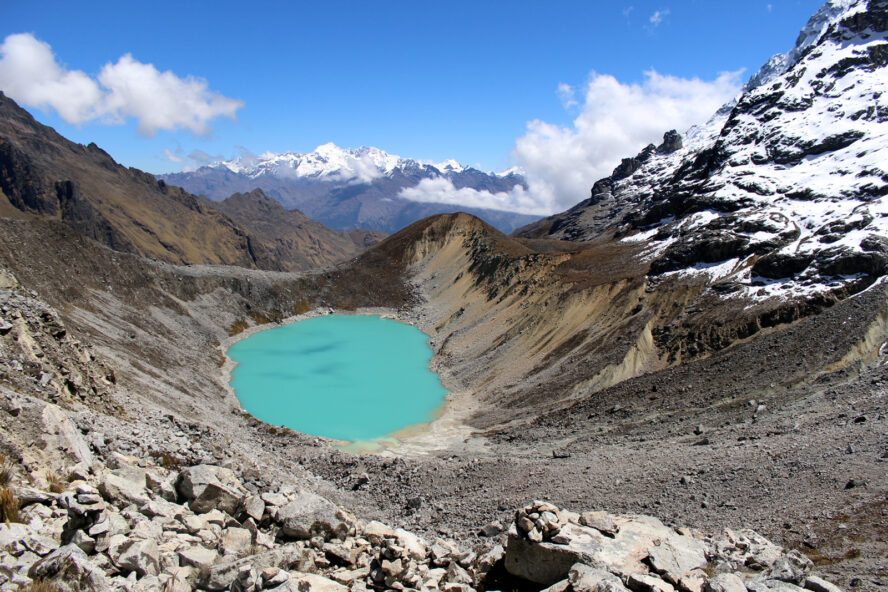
(415, 436)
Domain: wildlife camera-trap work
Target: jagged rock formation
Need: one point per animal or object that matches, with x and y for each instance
(783, 191)
(350, 188)
(292, 239)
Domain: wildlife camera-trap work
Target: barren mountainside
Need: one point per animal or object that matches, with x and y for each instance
(681, 384)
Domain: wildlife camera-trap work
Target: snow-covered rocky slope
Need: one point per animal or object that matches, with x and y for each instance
(783, 191)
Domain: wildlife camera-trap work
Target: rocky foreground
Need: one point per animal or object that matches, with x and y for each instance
(116, 522)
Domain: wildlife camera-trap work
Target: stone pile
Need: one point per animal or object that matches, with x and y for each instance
(141, 527)
(597, 552)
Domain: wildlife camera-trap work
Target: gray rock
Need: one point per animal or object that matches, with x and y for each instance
(600, 521)
(792, 567)
(546, 563)
(583, 578)
(122, 491)
(310, 515)
(726, 582)
(164, 487)
(60, 433)
(69, 564)
(17, 539)
(288, 557)
(820, 585)
(139, 556)
(648, 583)
(304, 582)
(199, 557)
(768, 585)
(236, 542)
(272, 577)
(254, 507)
(674, 557)
(208, 487)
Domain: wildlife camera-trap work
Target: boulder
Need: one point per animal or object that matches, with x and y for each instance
(377, 532)
(208, 487)
(70, 566)
(769, 585)
(648, 583)
(236, 542)
(139, 556)
(302, 582)
(17, 539)
(549, 562)
(792, 567)
(60, 433)
(583, 578)
(254, 507)
(310, 515)
(288, 557)
(726, 582)
(199, 557)
(676, 557)
(122, 491)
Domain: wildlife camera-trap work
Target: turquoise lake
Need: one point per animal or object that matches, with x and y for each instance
(344, 377)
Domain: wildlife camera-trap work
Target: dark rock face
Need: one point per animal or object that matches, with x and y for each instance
(788, 179)
(671, 143)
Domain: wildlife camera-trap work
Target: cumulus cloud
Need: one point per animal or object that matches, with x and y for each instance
(616, 120)
(31, 75)
(442, 190)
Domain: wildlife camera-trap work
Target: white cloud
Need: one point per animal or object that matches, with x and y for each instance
(616, 120)
(442, 190)
(567, 94)
(30, 74)
(658, 17)
(171, 156)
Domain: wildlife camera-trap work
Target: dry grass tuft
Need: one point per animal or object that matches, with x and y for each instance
(7, 470)
(9, 506)
(56, 485)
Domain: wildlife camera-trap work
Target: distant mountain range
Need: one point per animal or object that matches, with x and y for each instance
(350, 188)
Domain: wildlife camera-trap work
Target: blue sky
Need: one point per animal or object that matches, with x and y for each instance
(428, 80)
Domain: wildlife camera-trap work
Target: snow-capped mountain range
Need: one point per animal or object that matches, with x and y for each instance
(348, 188)
(329, 161)
(783, 191)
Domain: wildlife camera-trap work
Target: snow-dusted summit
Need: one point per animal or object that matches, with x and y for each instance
(348, 188)
(784, 191)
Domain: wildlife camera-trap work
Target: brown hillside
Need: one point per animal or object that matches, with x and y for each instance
(294, 240)
(44, 175)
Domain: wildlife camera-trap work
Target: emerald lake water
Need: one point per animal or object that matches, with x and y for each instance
(344, 377)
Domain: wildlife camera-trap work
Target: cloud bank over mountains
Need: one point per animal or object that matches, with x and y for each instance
(613, 119)
(31, 75)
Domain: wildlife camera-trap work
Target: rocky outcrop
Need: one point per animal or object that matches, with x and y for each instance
(110, 531)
